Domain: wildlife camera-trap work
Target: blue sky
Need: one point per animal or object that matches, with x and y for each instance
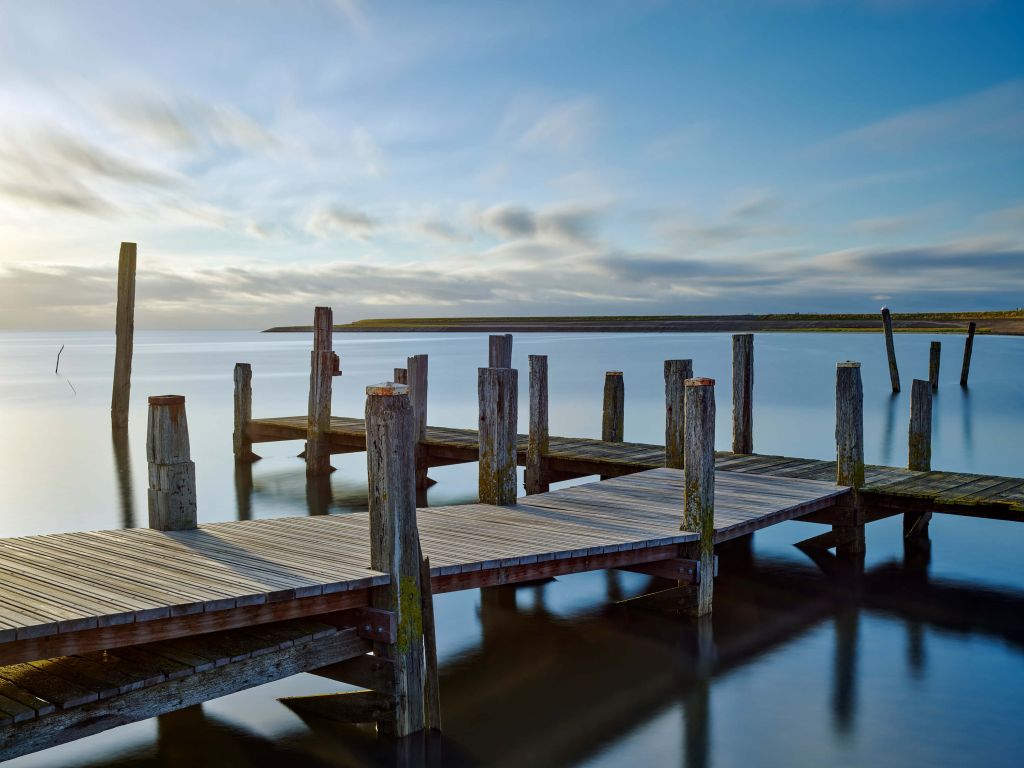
(491, 158)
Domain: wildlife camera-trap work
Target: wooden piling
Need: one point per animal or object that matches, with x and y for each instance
(742, 393)
(920, 447)
(848, 530)
(394, 545)
(243, 413)
(676, 374)
(124, 332)
(890, 348)
(500, 351)
(498, 395)
(699, 481)
(934, 353)
(401, 376)
(323, 367)
(416, 376)
(172, 474)
(965, 370)
(539, 442)
(613, 411)
(432, 689)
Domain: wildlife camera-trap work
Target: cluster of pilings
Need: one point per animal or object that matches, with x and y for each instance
(934, 355)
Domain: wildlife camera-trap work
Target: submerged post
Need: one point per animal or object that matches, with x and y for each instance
(124, 331)
(539, 443)
(416, 377)
(920, 448)
(172, 474)
(742, 393)
(394, 544)
(849, 527)
(243, 413)
(934, 353)
(699, 481)
(676, 374)
(499, 351)
(401, 376)
(323, 367)
(890, 348)
(613, 412)
(498, 395)
(965, 370)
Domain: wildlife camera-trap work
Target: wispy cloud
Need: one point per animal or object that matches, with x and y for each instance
(338, 220)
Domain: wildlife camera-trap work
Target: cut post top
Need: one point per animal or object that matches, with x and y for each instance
(848, 364)
(167, 400)
(700, 382)
(613, 373)
(387, 388)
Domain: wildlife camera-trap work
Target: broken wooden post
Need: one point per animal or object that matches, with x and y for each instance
(890, 348)
(243, 413)
(431, 688)
(124, 331)
(742, 393)
(172, 475)
(323, 367)
(965, 370)
(676, 374)
(920, 448)
(416, 376)
(539, 441)
(500, 351)
(849, 525)
(395, 546)
(612, 412)
(401, 376)
(498, 390)
(934, 352)
(699, 481)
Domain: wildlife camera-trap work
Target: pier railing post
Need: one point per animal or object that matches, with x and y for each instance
(742, 393)
(401, 376)
(699, 481)
(394, 544)
(613, 410)
(848, 529)
(498, 398)
(243, 413)
(416, 376)
(676, 374)
(124, 333)
(920, 443)
(499, 351)
(172, 474)
(890, 349)
(539, 443)
(965, 370)
(934, 353)
(323, 367)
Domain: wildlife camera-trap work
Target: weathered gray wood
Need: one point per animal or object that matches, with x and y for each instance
(394, 543)
(920, 448)
(498, 393)
(934, 353)
(243, 413)
(676, 374)
(613, 410)
(890, 349)
(743, 393)
(500, 351)
(432, 687)
(416, 374)
(965, 370)
(124, 330)
(323, 367)
(699, 481)
(539, 441)
(849, 425)
(172, 475)
(401, 376)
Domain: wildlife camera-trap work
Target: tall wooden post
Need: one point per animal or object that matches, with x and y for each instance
(890, 349)
(676, 374)
(401, 376)
(172, 475)
(965, 370)
(416, 374)
(613, 411)
(394, 544)
(243, 413)
(125, 332)
(323, 367)
(498, 390)
(920, 448)
(539, 443)
(934, 353)
(849, 527)
(743, 393)
(499, 351)
(699, 481)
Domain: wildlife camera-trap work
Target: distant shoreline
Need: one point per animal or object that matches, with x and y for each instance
(1003, 323)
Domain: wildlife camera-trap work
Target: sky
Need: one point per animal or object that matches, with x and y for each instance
(403, 159)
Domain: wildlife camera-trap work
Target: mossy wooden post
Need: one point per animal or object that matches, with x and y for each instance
(676, 374)
(498, 395)
(431, 686)
(416, 376)
(849, 526)
(323, 367)
(394, 544)
(243, 414)
(172, 475)
(699, 482)
(539, 442)
(915, 523)
(965, 370)
(890, 349)
(743, 393)
(613, 410)
(124, 331)
(499, 351)
(401, 376)
(934, 353)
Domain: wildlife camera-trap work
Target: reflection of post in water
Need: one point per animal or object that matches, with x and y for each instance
(967, 422)
(497, 606)
(243, 489)
(318, 494)
(696, 703)
(917, 556)
(844, 675)
(123, 467)
(887, 430)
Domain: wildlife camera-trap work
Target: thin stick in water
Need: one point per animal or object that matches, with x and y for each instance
(57, 367)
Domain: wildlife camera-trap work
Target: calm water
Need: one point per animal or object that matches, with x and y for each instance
(920, 662)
